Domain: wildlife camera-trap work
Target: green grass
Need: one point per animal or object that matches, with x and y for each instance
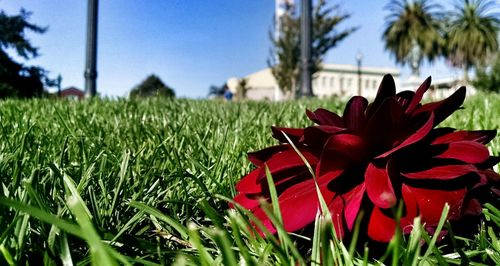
(147, 182)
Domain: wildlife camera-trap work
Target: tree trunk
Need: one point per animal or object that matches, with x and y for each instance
(466, 75)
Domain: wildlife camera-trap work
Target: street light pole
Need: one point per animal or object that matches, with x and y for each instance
(91, 50)
(359, 58)
(305, 48)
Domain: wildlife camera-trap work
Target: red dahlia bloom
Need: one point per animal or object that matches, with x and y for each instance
(371, 157)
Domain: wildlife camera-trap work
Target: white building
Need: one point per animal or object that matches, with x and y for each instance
(332, 80)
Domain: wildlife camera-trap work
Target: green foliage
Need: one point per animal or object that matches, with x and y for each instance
(17, 80)
(488, 79)
(285, 51)
(413, 23)
(472, 33)
(152, 86)
(148, 182)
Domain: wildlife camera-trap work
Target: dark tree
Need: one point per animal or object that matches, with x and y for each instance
(285, 51)
(152, 86)
(285, 54)
(16, 79)
(242, 88)
(217, 91)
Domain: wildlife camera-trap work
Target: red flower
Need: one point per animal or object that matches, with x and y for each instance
(371, 157)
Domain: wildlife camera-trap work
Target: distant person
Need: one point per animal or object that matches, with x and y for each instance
(228, 95)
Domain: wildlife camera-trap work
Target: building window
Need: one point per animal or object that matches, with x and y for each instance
(349, 83)
(374, 83)
(332, 80)
(367, 84)
(341, 83)
(324, 82)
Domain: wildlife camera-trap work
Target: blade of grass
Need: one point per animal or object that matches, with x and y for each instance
(156, 213)
(432, 244)
(194, 239)
(238, 239)
(6, 255)
(224, 243)
(44, 216)
(316, 241)
(275, 205)
(98, 251)
(122, 175)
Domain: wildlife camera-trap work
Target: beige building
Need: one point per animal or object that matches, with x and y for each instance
(333, 80)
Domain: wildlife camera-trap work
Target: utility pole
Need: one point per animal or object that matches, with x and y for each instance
(305, 48)
(91, 50)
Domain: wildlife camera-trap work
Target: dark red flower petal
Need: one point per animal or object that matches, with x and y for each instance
(340, 151)
(489, 163)
(419, 94)
(440, 131)
(324, 117)
(386, 125)
(404, 98)
(336, 208)
(315, 137)
(465, 151)
(352, 201)
(411, 208)
(490, 175)
(444, 108)
(299, 203)
(444, 172)
(483, 179)
(379, 187)
(354, 113)
(294, 134)
(250, 182)
(380, 227)
(413, 138)
(290, 179)
(481, 136)
(259, 157)
(247, 202)
(262, 216)
(472, 207)
(333, 174)
(431, 203)
(387, 89)
(287, 160)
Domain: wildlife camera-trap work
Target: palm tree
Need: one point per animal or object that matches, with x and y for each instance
(412, 32)
(472, 34)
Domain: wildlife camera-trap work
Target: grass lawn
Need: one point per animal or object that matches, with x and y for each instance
(144, 182)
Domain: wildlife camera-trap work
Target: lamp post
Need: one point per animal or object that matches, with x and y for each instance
(359, 58)
(58, 82)
(91, 50)
(305, 48)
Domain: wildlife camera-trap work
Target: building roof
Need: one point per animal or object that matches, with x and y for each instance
(365, 70)
(72, 91)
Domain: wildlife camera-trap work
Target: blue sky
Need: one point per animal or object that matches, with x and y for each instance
(190, 44)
